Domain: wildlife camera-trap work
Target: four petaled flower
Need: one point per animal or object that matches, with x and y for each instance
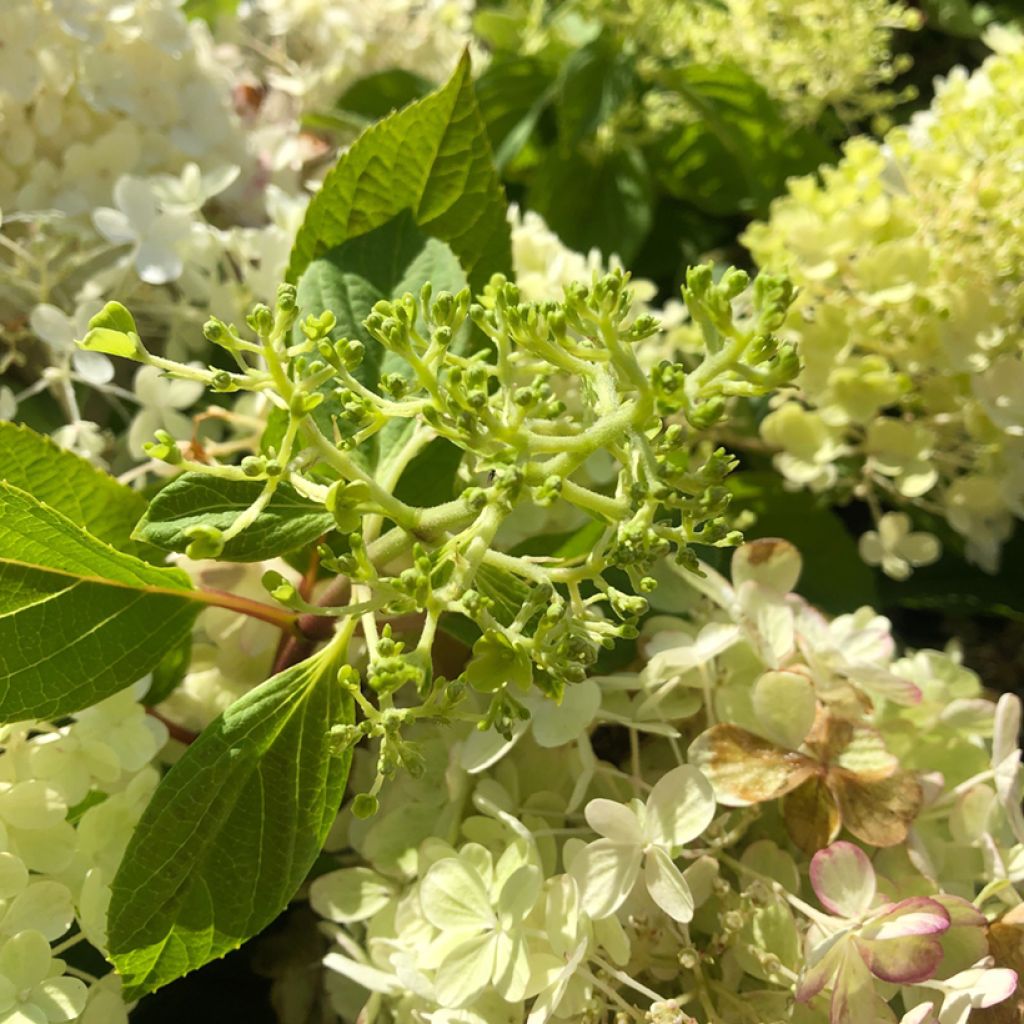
(866, 938)
(679, 808)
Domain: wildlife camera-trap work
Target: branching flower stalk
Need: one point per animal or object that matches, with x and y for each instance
(527, 393)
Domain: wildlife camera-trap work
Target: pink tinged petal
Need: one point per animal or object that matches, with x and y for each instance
(822, 966)
(614, 821)
(679, 808)
(906, 961)
(853, 998)
(917, 915)
(606, 873)
(962, 913)
(667, 886)
(467, 970)
(843, 879)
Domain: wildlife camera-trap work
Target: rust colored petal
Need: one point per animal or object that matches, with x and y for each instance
(877, 812)
(811, 815)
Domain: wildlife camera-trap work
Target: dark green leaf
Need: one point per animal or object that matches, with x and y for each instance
(433, 157)
(429, 479)
(607, 205)
(378, 94)
(513, 93)
(232, 829)
(288, 522)
(595, 82)
(739, 151)
(78, 620)
(168, 675)
(64, 481)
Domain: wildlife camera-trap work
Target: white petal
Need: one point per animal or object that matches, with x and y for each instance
(614, 821)
(453, 897)
(785, 705)
(61, 999)
(467, 970)
(52, 325)
(556, 724)
(667, 886)
(95, 367)
(156, 263)
(44, 907)
(25, 959)
(606, 873)
(113, 225)
(350, 894)
(679, 808)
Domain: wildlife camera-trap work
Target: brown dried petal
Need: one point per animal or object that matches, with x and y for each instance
(745, 769)
(877, 812)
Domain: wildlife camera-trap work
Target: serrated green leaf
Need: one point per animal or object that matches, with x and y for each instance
(65, 481)
(393, 259)
(232, 830)
(595, 81)
(78, 620)
(288, 522)
(433, 157)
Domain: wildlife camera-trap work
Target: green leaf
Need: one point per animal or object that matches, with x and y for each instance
(834, 576)
(209, 10)
(513, 93)
(378, 94)
(433, 157)
(606, 205)
(429, 479)
(393, 259)
(87, 496)
(288, 522)
(595, 81)
(112, 330)
(736, 155)
(232, 830)
(78, 620)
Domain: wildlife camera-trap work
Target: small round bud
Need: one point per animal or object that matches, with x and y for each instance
(365, 806)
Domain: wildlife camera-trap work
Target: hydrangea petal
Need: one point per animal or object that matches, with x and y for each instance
(666, 885)
(906, 961)
(606, 873)
(679, 808)
(467, 970)
(843, 879)
(452, 897)
(614, 821)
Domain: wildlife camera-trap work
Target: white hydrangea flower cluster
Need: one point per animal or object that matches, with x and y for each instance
(315, 49)
(810, 56)
(93, 89)
(70, 796)
(908, 257)
(640, 851)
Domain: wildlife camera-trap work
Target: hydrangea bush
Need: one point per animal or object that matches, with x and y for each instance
(422, 599)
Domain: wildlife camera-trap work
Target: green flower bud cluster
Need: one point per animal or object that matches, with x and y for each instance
(525, 393)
